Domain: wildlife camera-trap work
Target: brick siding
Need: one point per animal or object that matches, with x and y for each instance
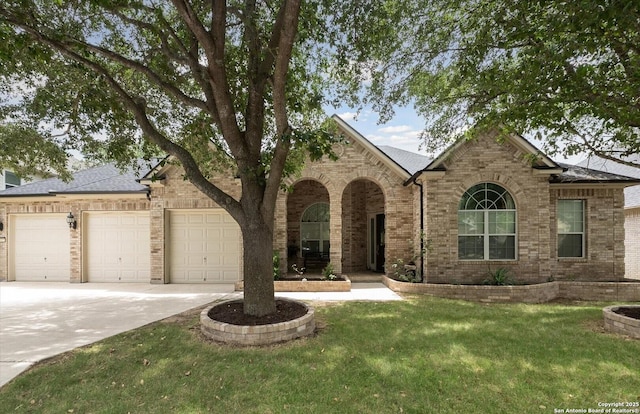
(632, 243)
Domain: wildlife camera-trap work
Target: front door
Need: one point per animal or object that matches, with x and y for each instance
(376, 242)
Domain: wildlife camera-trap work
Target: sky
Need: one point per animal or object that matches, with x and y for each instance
(403, 130)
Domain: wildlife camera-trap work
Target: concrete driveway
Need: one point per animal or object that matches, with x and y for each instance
(42, 319)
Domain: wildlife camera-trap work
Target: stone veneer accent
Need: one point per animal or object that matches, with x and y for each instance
(621, 324)
(538, 293)
(260, 334)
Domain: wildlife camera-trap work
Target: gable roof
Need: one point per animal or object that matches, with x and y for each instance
(409, 161)
(579, 174)
(631, 194)
(543, 161)
(103, 179)
(384, 157)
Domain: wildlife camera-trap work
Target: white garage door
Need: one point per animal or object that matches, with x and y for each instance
(117, 247)
(41, 247)
(204, 247)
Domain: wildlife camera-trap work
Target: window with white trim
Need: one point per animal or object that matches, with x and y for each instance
(10, 179)
(571, 228)
(486, 224)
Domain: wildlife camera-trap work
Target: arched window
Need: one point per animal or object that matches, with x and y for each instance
(314, 230)
(486, 224)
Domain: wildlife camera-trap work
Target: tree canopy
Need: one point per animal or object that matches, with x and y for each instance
(566, 71)
(221, 86)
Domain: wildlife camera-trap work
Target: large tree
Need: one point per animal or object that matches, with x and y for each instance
(221, 86)
(567, 71)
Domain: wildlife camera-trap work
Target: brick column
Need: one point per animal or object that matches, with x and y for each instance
(157, 242)
(335, 238)
(280, 231)
(75, 246)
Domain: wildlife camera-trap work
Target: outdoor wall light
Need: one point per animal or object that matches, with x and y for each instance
(71, 221)
(1, 226)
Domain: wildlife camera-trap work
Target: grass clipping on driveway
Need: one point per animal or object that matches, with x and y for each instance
(420, 355)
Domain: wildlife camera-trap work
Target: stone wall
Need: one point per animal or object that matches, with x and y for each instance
(537, 293)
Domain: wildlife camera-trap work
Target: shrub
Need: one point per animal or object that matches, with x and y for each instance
(328, 273)
(404, 273)
(498, 277)
(276, 265)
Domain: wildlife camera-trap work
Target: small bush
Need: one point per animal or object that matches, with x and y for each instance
(404, 273)
(498, 277)
(328, 273)
(276, 265)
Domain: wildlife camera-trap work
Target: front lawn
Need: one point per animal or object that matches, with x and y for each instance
(422, 355)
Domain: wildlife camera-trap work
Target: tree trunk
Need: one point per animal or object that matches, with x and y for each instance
(257, 241)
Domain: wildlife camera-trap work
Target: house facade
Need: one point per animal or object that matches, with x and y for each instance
(631, 209)
(480, 205)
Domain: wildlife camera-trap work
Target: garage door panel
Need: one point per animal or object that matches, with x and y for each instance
(211, 251)
(40, 245)
(117, 247)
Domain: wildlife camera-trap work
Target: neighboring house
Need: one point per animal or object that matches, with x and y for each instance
(631, 209)
(9, 179)
(480, 205)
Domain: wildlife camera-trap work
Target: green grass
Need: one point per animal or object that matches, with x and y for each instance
(420, 355)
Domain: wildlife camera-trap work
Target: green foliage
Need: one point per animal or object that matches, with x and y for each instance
(27, 152)
(499, 277)
(404, 272)
(276, 265)
(564, 71)
(223, 87)
(328, 273)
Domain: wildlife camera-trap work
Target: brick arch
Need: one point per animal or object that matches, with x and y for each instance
(502, 180)
(319, 177)
(376, 175)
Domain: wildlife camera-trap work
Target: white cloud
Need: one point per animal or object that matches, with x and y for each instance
(394, 129)
(348, 116)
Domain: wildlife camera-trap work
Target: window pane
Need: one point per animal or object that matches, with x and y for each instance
(569, 245)
(310, 231)
(318, 212)
(570, 216)
(502, 222)
(502, 247)
(10, 179)
(310, 247)
(470, 222)
(325, 231)
(471, 247)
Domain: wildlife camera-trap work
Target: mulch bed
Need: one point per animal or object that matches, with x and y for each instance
(233, 313)
(629, 312)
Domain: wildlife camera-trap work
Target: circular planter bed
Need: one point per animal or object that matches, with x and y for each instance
(226, 322)
(623, 319)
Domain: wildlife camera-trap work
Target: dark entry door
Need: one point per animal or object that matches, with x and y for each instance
(379, 235)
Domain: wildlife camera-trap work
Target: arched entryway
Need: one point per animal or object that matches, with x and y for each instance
(308, 221)
(363, 227)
